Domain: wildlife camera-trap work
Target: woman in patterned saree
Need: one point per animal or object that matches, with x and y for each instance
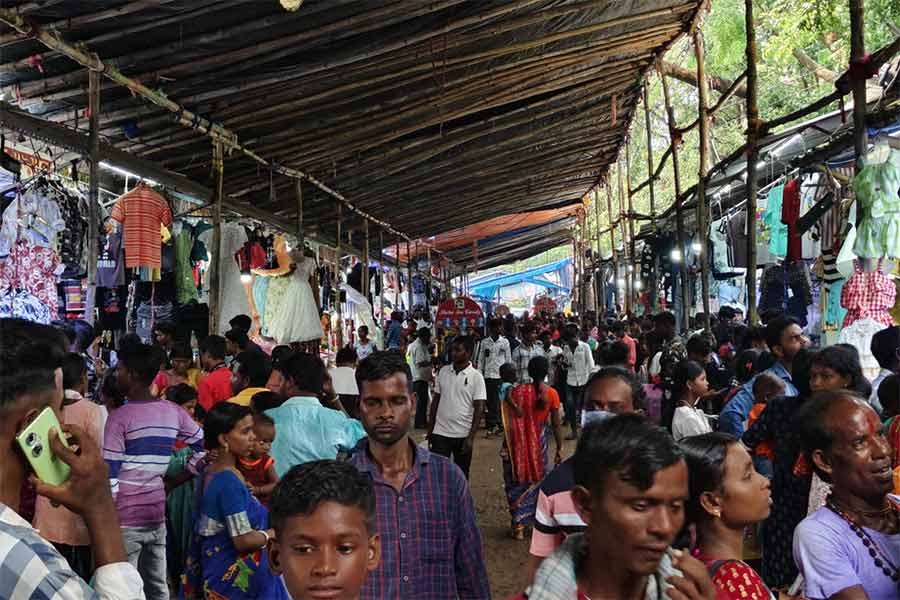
(228, 558)
(525, 412)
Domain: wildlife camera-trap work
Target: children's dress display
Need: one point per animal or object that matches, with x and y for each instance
(876, 189)
(297, 318)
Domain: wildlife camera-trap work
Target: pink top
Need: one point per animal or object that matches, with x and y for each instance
(55, 523)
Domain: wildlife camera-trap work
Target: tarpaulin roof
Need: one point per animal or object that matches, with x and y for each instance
(489, 289)
(428, 115)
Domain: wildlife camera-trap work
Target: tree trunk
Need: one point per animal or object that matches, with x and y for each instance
(687, 76)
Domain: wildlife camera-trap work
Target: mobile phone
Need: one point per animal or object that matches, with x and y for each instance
(35, 443)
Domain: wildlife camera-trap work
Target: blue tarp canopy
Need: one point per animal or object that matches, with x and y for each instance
(488, 289)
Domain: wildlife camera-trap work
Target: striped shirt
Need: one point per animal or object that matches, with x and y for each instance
(138, 442)
(32, 569)
(431, 546)
(555, 517)
(142, 212)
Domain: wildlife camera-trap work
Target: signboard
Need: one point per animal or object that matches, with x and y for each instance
(544, 304)
(460, 312)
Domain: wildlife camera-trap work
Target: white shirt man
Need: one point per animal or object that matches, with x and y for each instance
(417, 354)
(581, 363)
(492, 354)
(457, 393)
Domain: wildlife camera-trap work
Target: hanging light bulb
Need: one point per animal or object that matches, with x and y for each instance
(676, 255)
(630, 268)
(621, 283)
(638, 285)
(696, 247)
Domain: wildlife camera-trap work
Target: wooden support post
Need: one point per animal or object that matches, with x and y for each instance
(654, 276)
(381, 274)
(215, 275)
(753, 124)
(612, 237)
(93, 193)
(686, 288)
(626, 304)
(409, 286)
(702, 203)
(632, 295)
(428, 278)
(600, 297)
(365, 270)
(340, 308)
(301, 236)
(397, 296)
(857, 54)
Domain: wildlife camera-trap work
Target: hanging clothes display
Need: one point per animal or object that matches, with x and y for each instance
(775, 232)
(143, 212)
(34, 269)
(868, 295)
(786, 288)
(790, 213)
(876, 187)
(859, 335)
(110, 263)
(185, 285)
(232, 297)
(298, 318)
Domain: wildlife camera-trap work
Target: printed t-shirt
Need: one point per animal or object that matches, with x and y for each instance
(142, 212)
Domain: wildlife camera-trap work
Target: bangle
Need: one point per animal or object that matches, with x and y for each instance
(265, 535)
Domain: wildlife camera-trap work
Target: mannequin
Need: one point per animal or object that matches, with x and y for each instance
(291, 312)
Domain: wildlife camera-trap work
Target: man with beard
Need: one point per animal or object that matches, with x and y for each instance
(431, 545)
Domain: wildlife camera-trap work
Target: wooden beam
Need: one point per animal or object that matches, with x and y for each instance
(857, 54)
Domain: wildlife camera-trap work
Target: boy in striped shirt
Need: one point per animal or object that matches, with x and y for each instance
(139, 441)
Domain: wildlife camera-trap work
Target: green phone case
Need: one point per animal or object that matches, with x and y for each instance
(35, 443)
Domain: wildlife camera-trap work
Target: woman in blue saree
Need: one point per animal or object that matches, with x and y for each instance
(228, 558)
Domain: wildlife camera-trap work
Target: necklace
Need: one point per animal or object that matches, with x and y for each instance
(881, 560)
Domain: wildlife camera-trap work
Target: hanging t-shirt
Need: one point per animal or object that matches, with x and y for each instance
(776, 230)
(790, 212)
(143, 212)
(110, 267)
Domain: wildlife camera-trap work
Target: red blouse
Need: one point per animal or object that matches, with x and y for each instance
(735, 580)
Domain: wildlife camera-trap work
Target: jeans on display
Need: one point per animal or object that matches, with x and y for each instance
(148, 315)
(453, 448)
(493, 402)
(146, 550)
(422, 397)
(573, 405)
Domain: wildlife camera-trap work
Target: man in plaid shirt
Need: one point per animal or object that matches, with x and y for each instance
(525, 351)
(431, 544)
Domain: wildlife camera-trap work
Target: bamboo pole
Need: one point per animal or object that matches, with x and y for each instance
(674, 139)
(381, 275)
(612, 238)
(301, 236)
(753, 131)
(93, 194)
(215, 275)
(625, 305)
(857, 53)
(702, 203)
(429, 280)
(339, 274)
(409, 285)
(600, 297)
(654, 276)
(633, 267)
(365, 270)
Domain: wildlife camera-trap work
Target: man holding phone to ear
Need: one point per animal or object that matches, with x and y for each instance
(30, 567)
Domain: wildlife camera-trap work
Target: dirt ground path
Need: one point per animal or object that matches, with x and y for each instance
(505, 557)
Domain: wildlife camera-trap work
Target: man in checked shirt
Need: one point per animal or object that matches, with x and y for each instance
(431, 544)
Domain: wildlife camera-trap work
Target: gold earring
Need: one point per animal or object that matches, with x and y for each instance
(225, 447)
